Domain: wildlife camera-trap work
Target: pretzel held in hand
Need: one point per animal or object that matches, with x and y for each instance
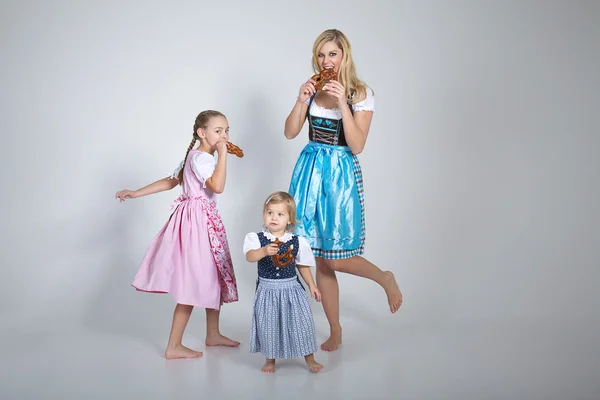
(323, 77)
(285, 259)
(233, 149)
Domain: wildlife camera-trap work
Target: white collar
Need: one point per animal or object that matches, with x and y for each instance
(286, 236)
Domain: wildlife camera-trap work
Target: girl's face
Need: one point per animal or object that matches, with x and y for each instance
(330, 56)
(276, 217)
(216, 129)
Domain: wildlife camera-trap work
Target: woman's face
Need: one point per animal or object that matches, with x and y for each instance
(329, 56)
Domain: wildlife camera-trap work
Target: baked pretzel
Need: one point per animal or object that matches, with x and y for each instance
(233, 149)
(323, 77)
(285, 259)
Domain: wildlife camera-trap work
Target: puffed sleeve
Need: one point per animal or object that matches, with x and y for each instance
(203, 165)
(251, 242)
(175, 173)
(305, 254)
(368, 104)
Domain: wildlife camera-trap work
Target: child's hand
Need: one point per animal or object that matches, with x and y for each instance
(271, 249)
(222, 147)
(315, 293)
(125, 194)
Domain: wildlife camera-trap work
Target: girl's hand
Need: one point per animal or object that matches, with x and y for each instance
(335, 89)
(315, 293)
(222, 147)
(306, 90)
(271, 249)
(125, 194)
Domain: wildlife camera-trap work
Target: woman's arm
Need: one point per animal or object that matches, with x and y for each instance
(295, 121)
(356, 128)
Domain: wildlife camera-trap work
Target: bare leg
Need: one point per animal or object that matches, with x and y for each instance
(360, 266)
(213, 336)
(312, 364)
(330, 297)
(269, 366)
(175, 349)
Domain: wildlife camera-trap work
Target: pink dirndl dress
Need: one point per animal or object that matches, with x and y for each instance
(189, 258)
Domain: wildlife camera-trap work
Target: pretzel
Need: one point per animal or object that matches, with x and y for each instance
(233, 149)
(323, 77)
(285, 259)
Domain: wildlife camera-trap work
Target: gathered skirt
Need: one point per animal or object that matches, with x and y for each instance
(327, 185)
(282, 320)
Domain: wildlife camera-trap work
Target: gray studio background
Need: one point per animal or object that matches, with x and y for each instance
(480, 176)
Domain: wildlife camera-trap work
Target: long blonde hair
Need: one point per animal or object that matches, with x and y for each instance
(201, 122)
(356, 90)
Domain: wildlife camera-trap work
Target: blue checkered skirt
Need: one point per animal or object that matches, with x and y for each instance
(327, 185)
(282, 321)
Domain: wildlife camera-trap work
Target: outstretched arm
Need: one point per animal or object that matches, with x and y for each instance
(155, 187)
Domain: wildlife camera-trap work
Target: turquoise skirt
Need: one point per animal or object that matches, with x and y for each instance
(327, 186)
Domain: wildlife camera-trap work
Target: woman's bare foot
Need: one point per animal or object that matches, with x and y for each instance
(393, 292)
(220, 340)
(180, 351)
(313, 365)
(269, 367)
(335, 339)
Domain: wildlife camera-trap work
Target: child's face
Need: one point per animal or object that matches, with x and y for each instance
(216, 129)
(276, 217)
(330, 56)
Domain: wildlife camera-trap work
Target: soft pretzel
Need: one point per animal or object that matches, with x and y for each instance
(323, 77)
(233, 149)
(285, 259)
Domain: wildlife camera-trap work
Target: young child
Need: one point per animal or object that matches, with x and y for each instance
(282, 322)
(189, 258)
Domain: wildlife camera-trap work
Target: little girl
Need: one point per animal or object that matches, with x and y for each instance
(189, 258)
(282, 322)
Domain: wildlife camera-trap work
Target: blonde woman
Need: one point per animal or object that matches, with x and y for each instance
(327, 183)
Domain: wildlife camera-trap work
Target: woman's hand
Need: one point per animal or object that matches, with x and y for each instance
(307, 90)
(335, 89)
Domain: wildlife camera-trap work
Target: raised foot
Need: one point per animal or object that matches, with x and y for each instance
(393, 292)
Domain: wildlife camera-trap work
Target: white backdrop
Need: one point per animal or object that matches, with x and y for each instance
(480, 168)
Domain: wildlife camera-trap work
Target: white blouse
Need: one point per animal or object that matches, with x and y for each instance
(368, 104)
(305, 255)
(203, 165)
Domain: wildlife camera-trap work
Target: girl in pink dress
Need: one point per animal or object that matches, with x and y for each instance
(189, 258)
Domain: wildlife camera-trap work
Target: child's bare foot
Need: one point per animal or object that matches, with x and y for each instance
(220, 340)
(335, 339)
(313, 365)
(393, 292)
(269, 367)
(180, 351)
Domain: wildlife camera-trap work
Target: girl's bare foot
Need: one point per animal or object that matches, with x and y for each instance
(313, 365)
(269, 367)
(180, 351)
(335, 339)
(220, 340)
(393, 292)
